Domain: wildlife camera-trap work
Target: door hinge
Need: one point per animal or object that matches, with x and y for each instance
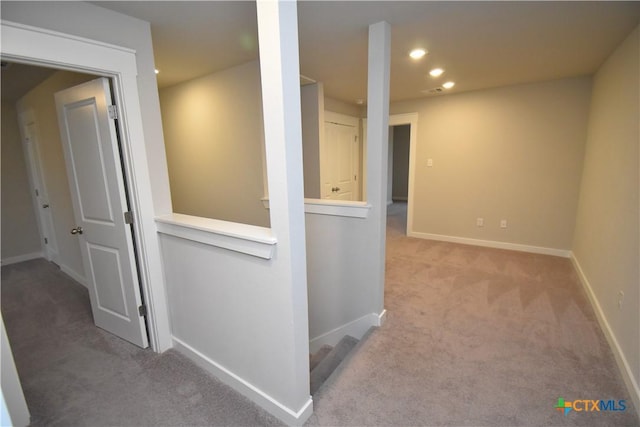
(142, 310)
(46, 241)
(37, 193)
(128, 217)
(113, 111)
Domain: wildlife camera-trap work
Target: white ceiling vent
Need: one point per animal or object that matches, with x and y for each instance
(434, 91)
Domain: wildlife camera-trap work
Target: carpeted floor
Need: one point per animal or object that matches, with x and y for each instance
(75, 374)
(474, 337)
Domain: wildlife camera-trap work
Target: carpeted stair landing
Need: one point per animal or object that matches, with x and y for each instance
(327, 359)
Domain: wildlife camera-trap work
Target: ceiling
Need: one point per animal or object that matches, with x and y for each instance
(479, 44)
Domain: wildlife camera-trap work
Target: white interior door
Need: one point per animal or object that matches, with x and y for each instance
(96, 181)
(30, 139)
(341, 162)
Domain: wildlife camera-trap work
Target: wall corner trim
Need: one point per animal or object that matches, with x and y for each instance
(337, 208)
(270, 404)
(244, 238)
(621, 360)
(346, 208)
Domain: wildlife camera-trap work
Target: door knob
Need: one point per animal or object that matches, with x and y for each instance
(334, 189)
(77, 230)
(45, 206)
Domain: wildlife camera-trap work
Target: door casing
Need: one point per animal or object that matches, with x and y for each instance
(396, 120)
(42, 47)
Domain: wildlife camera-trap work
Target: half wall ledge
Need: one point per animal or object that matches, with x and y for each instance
(346, 208)
(244, 238)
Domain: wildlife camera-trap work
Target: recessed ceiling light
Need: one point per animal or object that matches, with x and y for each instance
(417, 53)
(436, 72)
(157, 71)
(448, 85)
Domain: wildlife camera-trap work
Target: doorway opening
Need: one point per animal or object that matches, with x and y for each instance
(398, 186)
(403, 130)
(77, 181)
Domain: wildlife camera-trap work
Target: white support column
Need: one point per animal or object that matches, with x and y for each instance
(378, 145)
(279, 65)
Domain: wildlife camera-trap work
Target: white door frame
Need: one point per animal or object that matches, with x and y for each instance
(409, 119)
(38, 46)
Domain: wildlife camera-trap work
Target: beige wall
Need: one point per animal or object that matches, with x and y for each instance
(214, 141)
(337, 106)
(607, 229)
(511, 153)
(20, 235)
(41, 101)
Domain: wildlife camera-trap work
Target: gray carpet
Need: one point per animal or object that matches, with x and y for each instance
(475, 337)
(75, 374)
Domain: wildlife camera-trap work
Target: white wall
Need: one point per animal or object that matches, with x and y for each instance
(511, 153)
(40, 100)
(12, 392)
(607, 233)
(20, 237)
(341, 282)
(228, 307)
(341, 107)
(214, 141)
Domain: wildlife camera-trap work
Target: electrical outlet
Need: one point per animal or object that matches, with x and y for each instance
(620, 299)
(429, 163)
(480, 222)
(503, 223)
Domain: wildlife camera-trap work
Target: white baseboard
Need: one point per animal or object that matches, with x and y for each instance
(21, 258)
(270, 404)
(492, 244)
(356, 328)
(73, 274)
(621, 360)
(382, 317)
